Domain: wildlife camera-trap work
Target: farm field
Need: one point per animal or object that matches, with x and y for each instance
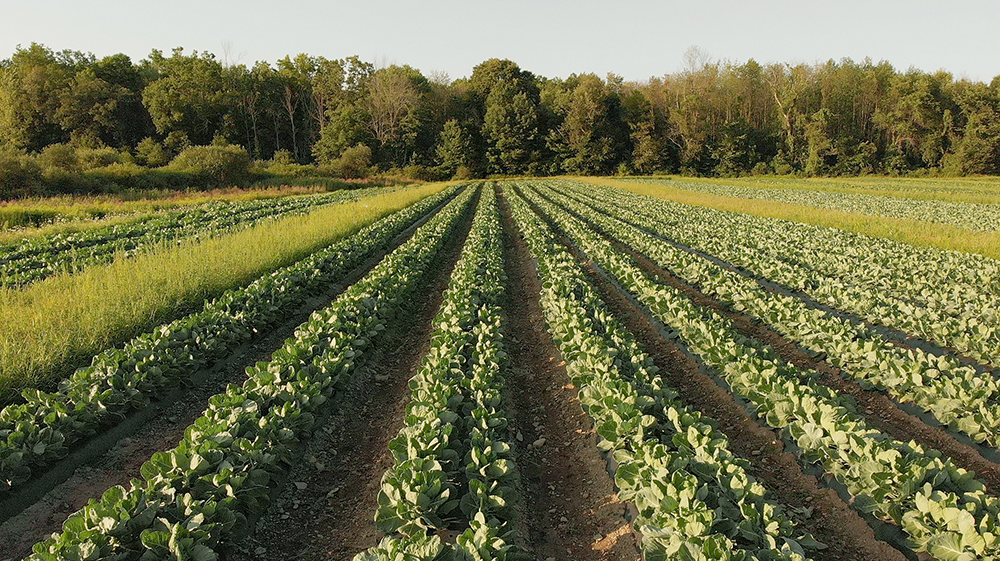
(796, 200)
(940, 202)
(535, 369)
(41, 216)
(49, 327)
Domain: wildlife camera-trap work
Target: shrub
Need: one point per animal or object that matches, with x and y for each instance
(419, 173)
(92, 158)
(464, 172)
(129, 176)
(220, 166)
(58, 180)
(282, 157)
(355, 161)
(20, 176)
(149, 152)
(283, 164)
(176, 142)
(59, 158)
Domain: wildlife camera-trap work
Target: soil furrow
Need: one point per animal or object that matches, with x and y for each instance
(571, 507)
(164, 428)
(326, 508)
(816, 508)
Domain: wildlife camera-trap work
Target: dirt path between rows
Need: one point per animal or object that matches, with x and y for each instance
(164, 430)
(816, 509)
(326, 509)
(571, 508)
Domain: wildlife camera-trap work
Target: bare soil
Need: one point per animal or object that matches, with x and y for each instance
(572, 509)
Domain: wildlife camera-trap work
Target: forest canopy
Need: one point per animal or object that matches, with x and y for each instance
(710, 118)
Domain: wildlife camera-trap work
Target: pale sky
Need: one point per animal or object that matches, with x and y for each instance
(635, 39)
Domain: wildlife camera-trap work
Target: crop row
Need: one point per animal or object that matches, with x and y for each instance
(974, 216)
(201, 491)
(947, 297)
(453, 467)
(954, 393)
(695, 499)
(33, 259)
(944, 509)
(118, 381)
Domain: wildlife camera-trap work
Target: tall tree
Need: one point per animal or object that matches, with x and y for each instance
(511, 130)
(32, 83)
(456, 151)
(191, 94)
(89, 109)
(592, 137)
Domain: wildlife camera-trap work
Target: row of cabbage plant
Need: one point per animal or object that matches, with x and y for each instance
(453, 468)
(946, 297)
(32, 259)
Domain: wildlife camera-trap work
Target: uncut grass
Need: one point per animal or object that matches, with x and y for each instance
(913, 232)
(54, 326)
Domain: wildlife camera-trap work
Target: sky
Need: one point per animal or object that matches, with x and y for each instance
(634, 39)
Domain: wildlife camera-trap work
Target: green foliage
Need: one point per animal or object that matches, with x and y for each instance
(345, 128)
(30, 88)
(93, 158)
(592, 135)
(456, 151)
(191, 95)
(177, 141)
(151, 153)
(281, 158)
(20, 175)
(979, 149)
(222, 166)
(57, 158)
(510, 128)
(711, 118)
(355, 161)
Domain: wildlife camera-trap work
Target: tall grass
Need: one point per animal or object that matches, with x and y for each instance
(35, 217)
(914, 232)
(53, 326)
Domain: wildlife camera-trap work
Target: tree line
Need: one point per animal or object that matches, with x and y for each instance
(710, 118)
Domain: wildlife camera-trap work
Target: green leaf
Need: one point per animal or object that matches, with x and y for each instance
(948, 547)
